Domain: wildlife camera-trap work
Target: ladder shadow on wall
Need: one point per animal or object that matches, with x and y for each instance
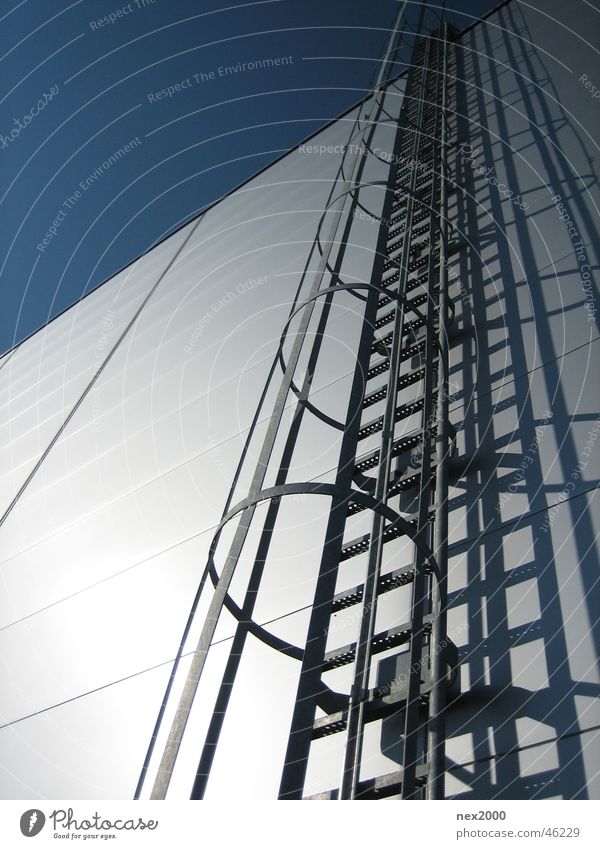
(523, 579)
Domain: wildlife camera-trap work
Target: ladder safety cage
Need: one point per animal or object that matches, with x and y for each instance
(404, 340)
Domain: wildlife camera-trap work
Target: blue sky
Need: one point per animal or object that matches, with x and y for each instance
(121, 120)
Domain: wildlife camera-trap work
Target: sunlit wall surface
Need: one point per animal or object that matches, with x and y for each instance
(109, 523)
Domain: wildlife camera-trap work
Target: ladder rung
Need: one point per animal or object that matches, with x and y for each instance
(376, 707)
(406, 380)
(413, 265)
(388, 785)
(404, 443)
(407, 353)
(360, 544)
(404, 482)
(395, 233)
(378, 369)
(376, 788)
(383, 641)
(402, 412)
(388, 317)
(387, 583)
(414, 324)
(411, 285)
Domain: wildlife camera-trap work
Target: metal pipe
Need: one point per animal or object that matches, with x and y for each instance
(439, 671)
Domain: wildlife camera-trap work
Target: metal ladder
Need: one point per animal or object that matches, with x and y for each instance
(413, 299)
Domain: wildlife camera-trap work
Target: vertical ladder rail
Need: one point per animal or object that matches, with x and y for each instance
(420, 594)
(352, 760)
(439, 672)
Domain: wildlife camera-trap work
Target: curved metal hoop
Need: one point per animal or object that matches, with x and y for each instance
(351, 190)
(356, 187)
(330, 290)
(333, 274)
(397, 522)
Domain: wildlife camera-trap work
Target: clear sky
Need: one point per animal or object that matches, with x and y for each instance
(84, 79)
